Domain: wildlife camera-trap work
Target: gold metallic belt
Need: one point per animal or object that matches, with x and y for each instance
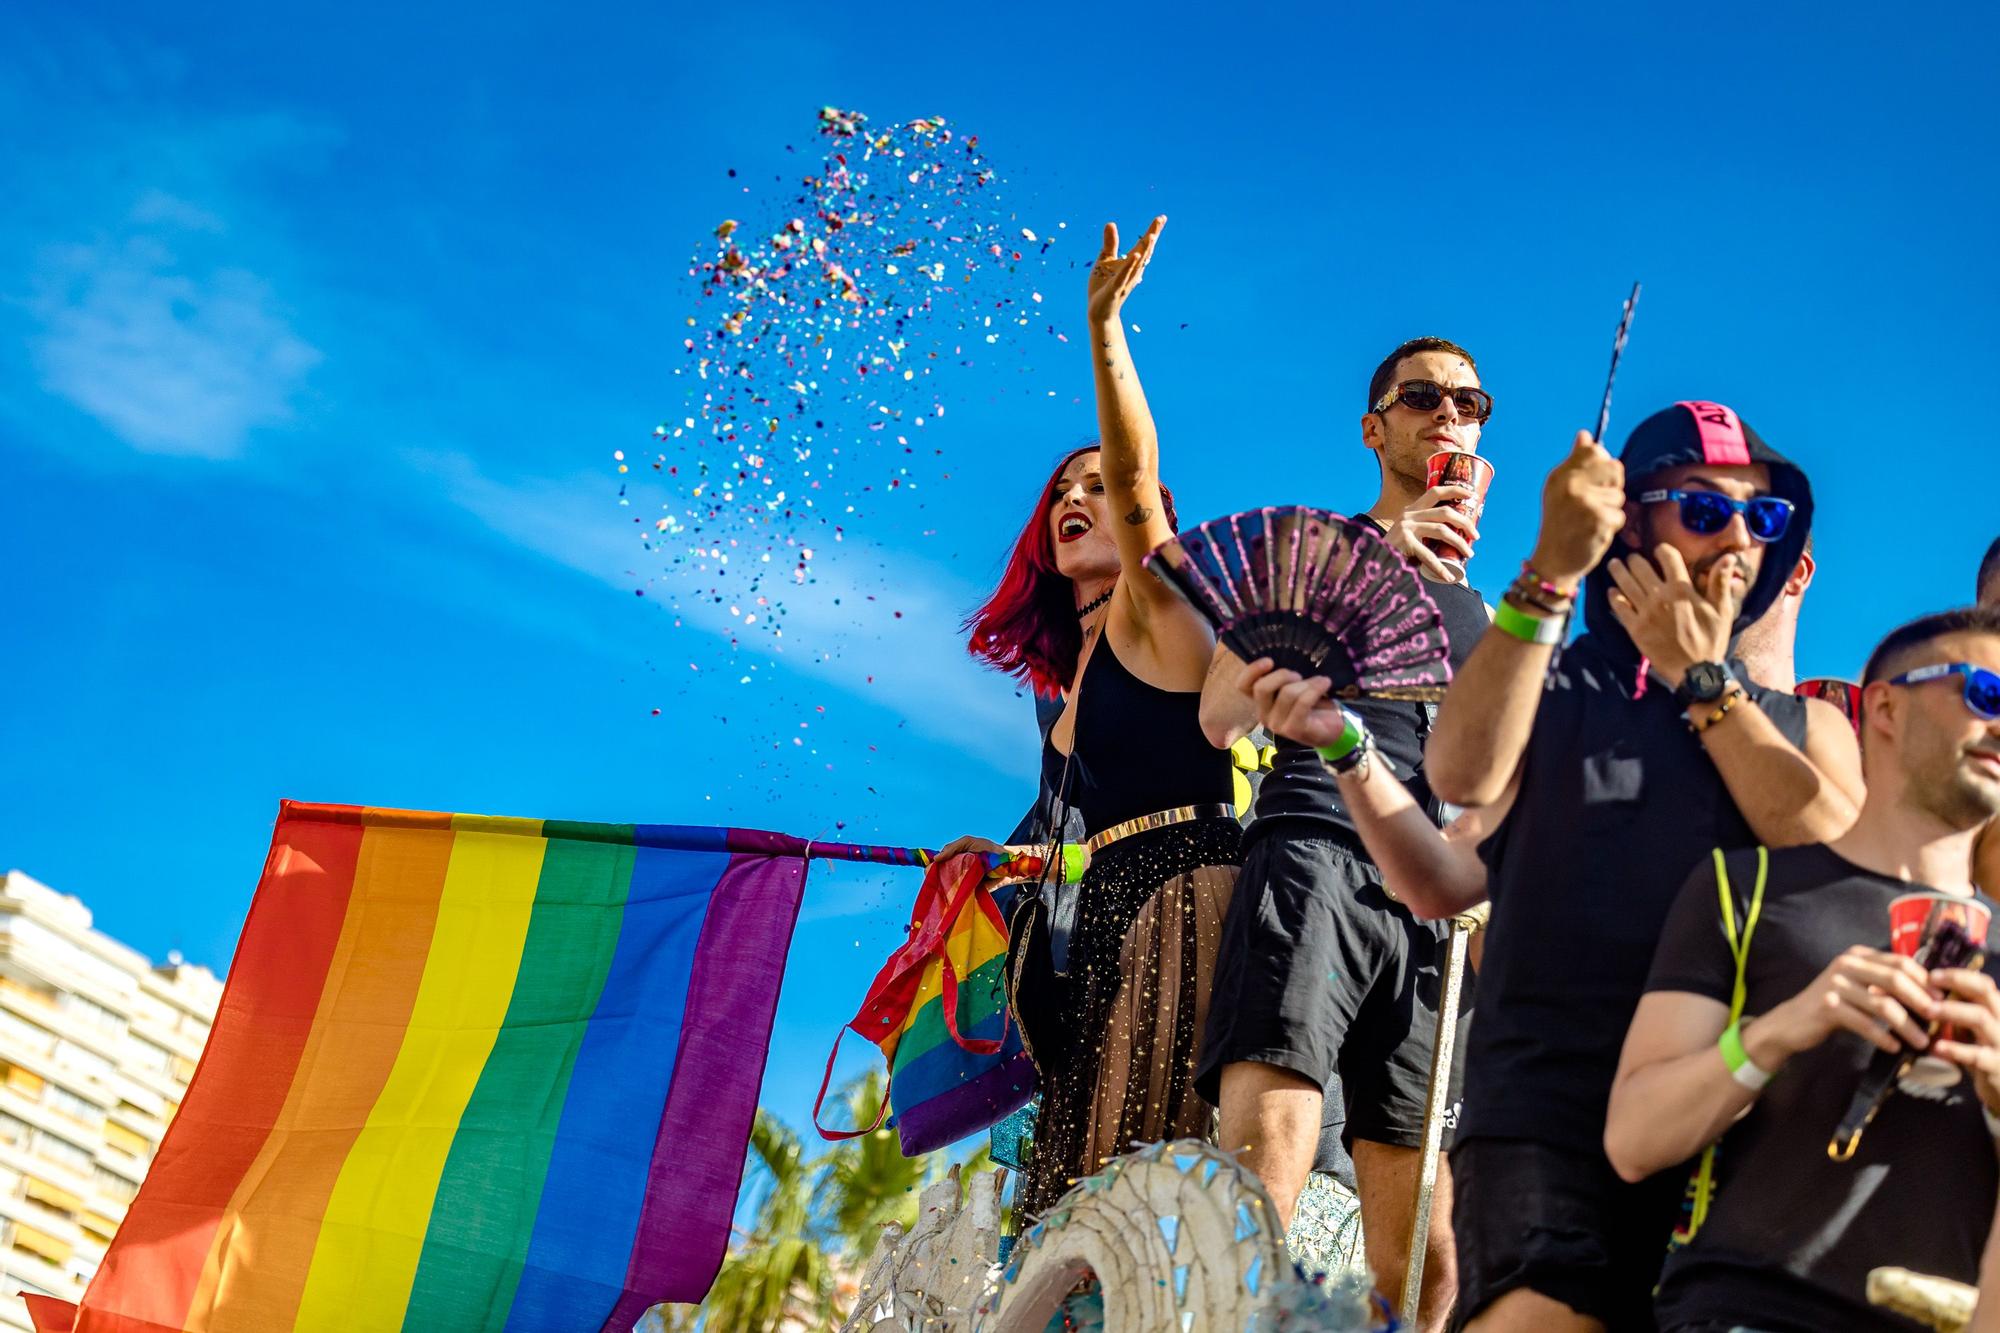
(1180, 814)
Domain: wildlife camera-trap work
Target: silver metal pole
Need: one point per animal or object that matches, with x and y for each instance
(1457, 944)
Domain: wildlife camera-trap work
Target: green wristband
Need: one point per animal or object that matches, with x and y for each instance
(1075, 860)
(1511, 619)
(1351, 737)
(1741, 1067)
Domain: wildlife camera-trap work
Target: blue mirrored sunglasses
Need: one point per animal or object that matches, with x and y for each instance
(1707, 512)
(1982, 687)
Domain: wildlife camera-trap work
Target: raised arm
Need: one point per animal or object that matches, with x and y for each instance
(1474, 753)
(1789, 796)
(1435, 874)
(1130, 454)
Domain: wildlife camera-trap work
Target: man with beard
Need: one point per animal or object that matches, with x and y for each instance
(1322, 1021)
(1620, 764)
(1776, 969)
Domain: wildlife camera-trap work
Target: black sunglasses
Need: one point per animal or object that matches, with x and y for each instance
(1982, 687)
(1707, 512)
(1428, 396)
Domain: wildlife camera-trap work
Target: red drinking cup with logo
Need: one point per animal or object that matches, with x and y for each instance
(1455, 467)
(1914, 919)
(1842, 694)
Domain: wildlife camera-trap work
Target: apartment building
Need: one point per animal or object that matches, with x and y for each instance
(97, 1045)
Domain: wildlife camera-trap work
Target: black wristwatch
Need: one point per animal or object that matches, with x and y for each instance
(1704, 683)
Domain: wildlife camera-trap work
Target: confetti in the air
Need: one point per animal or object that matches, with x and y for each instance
(816, 361)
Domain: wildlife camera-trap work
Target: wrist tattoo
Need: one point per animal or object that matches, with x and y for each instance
(1140, 514)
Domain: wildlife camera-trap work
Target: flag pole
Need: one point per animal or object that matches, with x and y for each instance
(1458, 944)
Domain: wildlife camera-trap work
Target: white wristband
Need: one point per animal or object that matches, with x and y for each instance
(1750, 1076)
(1741, 1067)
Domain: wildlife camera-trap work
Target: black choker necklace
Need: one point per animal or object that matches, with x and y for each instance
(1095, 602)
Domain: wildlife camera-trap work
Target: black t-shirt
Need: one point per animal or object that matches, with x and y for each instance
(1791, 1234)
(1618, 801)
(1299, 795)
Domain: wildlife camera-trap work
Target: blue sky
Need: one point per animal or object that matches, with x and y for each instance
(318, 329)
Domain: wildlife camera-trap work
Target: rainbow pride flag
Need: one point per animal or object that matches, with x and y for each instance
(468, 1073)
(944, 1088)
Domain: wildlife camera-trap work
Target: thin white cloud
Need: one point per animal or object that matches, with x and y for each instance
(172, 353)
(923, 673)
(156, 207)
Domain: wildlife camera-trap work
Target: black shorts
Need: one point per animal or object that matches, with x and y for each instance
(1322, 973)
(1560, 1223)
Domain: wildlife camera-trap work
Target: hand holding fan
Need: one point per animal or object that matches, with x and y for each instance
(1316, 592)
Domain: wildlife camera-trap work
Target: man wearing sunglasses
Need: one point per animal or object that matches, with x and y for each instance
(1988, 590)
(1323, 1019)
(1618, 765)
(1804, 998)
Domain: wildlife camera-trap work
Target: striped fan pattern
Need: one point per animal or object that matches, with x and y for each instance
(1318, 593)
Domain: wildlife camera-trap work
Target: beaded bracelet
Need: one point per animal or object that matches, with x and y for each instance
(1533, 577)
(1531, 589)
(1728, 702)
(1527, 597)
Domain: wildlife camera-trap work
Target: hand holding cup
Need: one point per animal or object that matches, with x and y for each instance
(1436, 533)
(1470, 475)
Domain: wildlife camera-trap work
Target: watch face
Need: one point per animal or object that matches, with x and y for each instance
(1706, 680)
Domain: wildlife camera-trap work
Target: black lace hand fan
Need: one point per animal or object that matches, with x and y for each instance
(1316, 592)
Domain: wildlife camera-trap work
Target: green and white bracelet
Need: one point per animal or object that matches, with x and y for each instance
(1511, 619)
(1351, 749)
(1741, 1067)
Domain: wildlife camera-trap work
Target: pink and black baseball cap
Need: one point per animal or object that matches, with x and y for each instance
(1698, 431)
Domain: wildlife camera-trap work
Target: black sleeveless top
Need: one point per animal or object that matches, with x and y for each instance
(1137, 749)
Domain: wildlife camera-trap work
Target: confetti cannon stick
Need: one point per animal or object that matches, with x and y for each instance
(1617, 351)
(1457, 945)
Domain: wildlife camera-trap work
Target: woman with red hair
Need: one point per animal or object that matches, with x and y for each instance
(1110, 981)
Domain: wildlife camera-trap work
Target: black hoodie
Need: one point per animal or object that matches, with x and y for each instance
(1618, 803)
(1699, 432)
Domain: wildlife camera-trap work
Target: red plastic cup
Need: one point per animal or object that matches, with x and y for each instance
(1914, 917)
(1455, 467)
(1842, 694)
